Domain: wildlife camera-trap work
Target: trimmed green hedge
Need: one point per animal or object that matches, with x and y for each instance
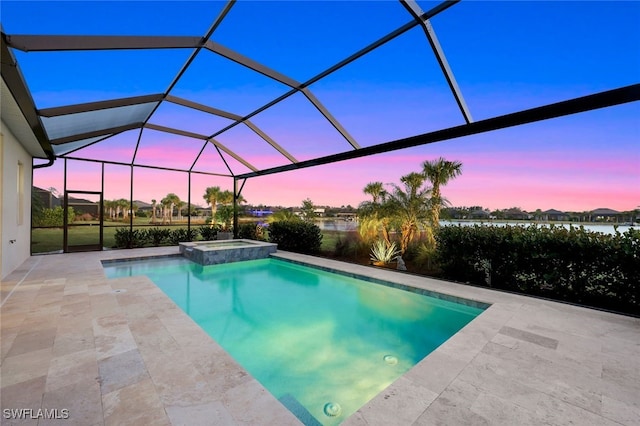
(296, 236)
(126, 238)
(573, 265)
(208, 232)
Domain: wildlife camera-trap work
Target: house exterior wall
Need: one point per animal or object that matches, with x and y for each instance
(15, 194)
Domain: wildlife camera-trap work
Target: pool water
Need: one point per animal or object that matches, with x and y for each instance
(324, 344)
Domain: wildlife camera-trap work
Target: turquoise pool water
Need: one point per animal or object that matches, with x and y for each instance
(322, 343)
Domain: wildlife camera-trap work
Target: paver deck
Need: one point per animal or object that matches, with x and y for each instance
(118, 352)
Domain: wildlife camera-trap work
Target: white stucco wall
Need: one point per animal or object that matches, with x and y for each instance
(12, 153)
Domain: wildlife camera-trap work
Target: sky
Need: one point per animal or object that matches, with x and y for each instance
(506, 56)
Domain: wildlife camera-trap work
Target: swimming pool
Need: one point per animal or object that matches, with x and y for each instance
(322, 343)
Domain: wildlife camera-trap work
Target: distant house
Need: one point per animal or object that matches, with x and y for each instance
(516, 214)
(604, 214)
(49, 200)
(480, 214)
(142, 206)
(553, 214)
(347, 216)
(82, 206)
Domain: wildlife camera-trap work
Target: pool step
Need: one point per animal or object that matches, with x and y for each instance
(298, 410)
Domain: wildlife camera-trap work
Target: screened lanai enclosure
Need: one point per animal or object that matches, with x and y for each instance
(136, 100)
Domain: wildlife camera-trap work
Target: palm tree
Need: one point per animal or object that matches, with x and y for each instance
(123, 206)
(153, 211)
(225, 197)
(408, 207)
(439, 172)
(376, 190)
(165, 202)
(211, 196)
(226, 214)
(372, 215)
(171, 200)
(283, 215)
(180, 205)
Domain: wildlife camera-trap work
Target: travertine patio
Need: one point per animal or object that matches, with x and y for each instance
(119, 351)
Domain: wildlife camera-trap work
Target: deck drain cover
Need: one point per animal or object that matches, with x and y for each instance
(119, 290)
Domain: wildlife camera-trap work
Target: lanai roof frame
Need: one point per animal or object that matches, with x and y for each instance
(419, 18)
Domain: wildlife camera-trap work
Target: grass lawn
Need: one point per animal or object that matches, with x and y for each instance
(329, 240)
(45, 240)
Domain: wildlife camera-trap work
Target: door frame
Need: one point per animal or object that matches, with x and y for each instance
(65, 239)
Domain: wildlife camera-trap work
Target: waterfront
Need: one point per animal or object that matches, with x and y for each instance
(605, 228)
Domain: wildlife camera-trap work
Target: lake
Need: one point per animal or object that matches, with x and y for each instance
(342, 225)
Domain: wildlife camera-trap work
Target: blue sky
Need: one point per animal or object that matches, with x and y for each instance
(506, 56)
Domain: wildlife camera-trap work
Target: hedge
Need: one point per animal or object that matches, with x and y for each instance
(296, 235)
(573, 265)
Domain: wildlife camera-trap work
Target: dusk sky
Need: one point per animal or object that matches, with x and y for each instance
(506, 56)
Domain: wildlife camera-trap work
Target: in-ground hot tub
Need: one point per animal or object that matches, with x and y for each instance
(226, 251)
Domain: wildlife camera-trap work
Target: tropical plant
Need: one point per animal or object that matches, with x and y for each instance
(168, 203)
(128, 238)
(408, 207)
(214, 196)
(372, 214)
(180, 205)
(376, 190)
(208, 233)
(439, 172)
(225, 216)
(383, 253)
(211, 196)
(121, 205)
(158, 236)
(182, 235)
(283, 215)
(153, 211)
(252, 231)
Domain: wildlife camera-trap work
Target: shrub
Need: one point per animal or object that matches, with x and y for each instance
(127, 238)
(225, 216)
(208, 233)
(573, 265)
(349, 244)
(251, 231)
(84, 217)
(158, 236)
(182, 235)
(296, 236)
(52, 217)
